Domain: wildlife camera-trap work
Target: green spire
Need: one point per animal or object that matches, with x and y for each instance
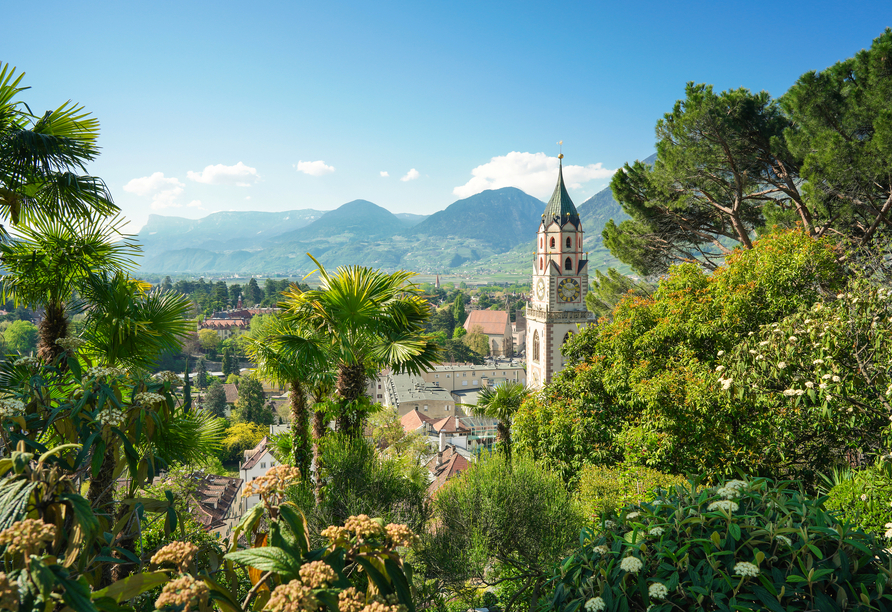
(560, 207)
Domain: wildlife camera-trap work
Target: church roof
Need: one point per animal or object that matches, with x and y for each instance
(493, 322)
(560, 207)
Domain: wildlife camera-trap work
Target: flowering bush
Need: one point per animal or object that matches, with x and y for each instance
(745, 545)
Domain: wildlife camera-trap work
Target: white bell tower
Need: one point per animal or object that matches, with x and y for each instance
(560, 283)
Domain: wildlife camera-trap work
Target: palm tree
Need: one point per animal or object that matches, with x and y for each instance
(43, 159)
(291, 356)
(501, 403)
(370, 320)
(51, 258)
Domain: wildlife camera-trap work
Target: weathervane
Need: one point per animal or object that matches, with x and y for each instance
(561, 150)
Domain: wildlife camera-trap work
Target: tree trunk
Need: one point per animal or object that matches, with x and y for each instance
(300, 429)
(126, 541)
(53, 327)
(350, 386)
(101, 496)
(503, 438)
(319, 426)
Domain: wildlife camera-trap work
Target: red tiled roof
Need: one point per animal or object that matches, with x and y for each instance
(413, 420)
(493, 322)
(444, 466)
(224, 323)
(449, 424)
(255, 454)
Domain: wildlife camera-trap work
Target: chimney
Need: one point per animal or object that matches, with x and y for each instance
(442, 441)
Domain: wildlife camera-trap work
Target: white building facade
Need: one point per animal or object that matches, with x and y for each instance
(560, 283)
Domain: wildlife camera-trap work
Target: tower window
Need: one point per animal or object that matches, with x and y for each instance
(552, 242)
(540, 264)
(569, 242)
(536, 346)
(568, 264)
(540, 242)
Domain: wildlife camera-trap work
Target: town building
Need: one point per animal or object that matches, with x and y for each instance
(560, 282)
(216, 504)
(496, 325)
(464, 377)
(406, 392)
(258, 461)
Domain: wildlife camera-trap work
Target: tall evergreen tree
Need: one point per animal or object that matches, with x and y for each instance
(187, 388)
(251, 406)
(253, 294)
(458, 309)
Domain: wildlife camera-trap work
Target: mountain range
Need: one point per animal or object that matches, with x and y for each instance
(492, 230)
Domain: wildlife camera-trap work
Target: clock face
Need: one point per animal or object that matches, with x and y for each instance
(568, 290)
(540, 289)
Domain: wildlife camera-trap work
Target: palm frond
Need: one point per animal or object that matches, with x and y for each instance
(191, 438)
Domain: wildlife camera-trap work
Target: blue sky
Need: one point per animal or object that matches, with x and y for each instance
(209, 106)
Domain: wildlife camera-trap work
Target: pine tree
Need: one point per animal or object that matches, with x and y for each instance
(187, 389)
(458, 310)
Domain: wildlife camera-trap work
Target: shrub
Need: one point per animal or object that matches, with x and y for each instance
(744, 545)
(603, 490)
(864, 498)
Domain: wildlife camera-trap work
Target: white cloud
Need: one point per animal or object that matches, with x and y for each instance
(534, 173)
(314, 168)
(411, 175)
(239, 174)
(384, 173)
(248, 198)
(195, 204)
(163, 191)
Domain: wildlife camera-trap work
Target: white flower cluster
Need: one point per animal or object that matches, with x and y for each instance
(111, 416)
(595, 604)
(657, 590)
(656, 532)
(601, 550)
(184, 592)
(726, 383)
(723, 504)
(632, 565)
(794, 392)
(149, 399)
(731, 489)
(11, 407)
(167, 376)
(98, 372)
(27, 361)
(632, 515)
(71, 344)
(746, 569)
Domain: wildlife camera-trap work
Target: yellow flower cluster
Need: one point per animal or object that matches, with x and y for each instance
(111, 416)
(317, 575)
(71, 344)
(351, 600)
(27, 536)
(9, 593)
(177, 553)
(99, 372)
(11, 407)
(401, 535)
(363, 527)
(274, 482)
(167, 376)
(292, 597)
(185, 592)
(148, 398)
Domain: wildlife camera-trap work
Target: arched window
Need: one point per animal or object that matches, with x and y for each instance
(552, 242)
(568, 264)
(541, 265)
(536, 346)
(569, 242)
(567, 336)
(540, 242)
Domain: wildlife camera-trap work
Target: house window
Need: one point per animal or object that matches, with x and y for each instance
(425, 407)
(536, 346)
(552, 242)
(463, 374)
(447, 376)
(475, 382)
(568, 264)
(380, 396)
(262, 465)
(379, 386)
(447, 407)
(464, 383)
(569, 242)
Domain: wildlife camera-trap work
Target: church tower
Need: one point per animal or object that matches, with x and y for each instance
(560, 283)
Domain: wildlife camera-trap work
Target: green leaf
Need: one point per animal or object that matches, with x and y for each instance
(379, 579)
(82, 512)
(297, 523)
(130, 587)
(400, 583)
(734, 530)
(268, 559)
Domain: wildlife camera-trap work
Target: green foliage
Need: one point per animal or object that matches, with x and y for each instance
(251, 406)
(743, 546)
(501, 521)
(215, 400)
(458, 309)
(603, 490)
(643, 387)
(360, 480)
(864, 498)
(209, 339)
(457, 351)
(608, 289)
(477, 341)
(21, 337)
